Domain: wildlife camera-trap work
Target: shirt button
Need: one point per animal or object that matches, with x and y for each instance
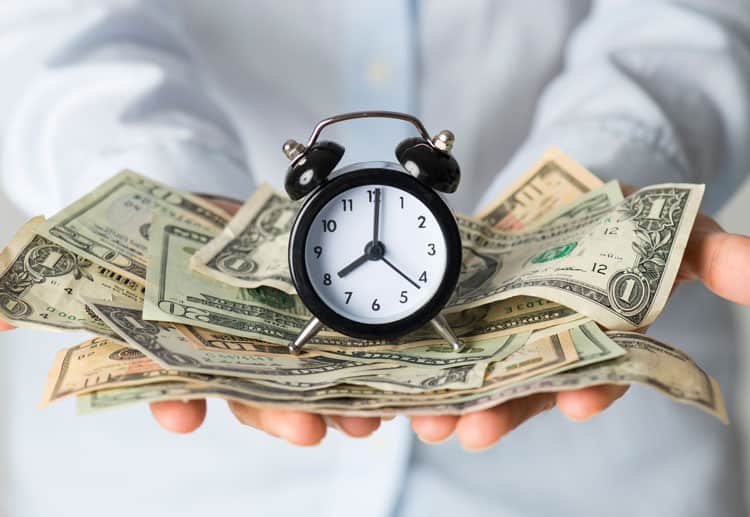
(379, 72)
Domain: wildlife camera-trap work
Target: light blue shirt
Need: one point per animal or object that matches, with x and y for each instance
(202, 94)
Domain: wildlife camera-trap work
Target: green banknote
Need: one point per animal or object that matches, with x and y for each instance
(110, 225)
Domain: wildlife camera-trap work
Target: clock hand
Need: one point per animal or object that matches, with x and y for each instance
(354, 265)
(397, 270)
(376, 217)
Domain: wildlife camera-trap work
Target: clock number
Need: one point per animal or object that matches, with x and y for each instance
(327, 279)
(423, 277)
(599, 268)
(318, 250)
(348, 205)
(422, 219)
(402, 201)
(431, 249)
(329, 225)
(371, 195)
(404, 298)
(68, 290)
(375, 305)
(348, 296)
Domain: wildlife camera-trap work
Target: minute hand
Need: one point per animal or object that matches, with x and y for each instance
(397, 270)
(376, 217)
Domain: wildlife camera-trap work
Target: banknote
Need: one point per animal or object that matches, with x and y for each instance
(405, 384)
(251, 251)
(645, 360)
(41, 284)
(176, 294)
(531, 360)
(101, 363)
(616, 267)
(166, 344)
(110, 225)
(551, 183)
(543, 356)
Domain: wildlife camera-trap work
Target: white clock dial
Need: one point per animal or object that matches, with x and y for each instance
(370, 276)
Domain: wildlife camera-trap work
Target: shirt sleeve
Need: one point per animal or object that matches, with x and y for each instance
(651, 92)
(119, 90)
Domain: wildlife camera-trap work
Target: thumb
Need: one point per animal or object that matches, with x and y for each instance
(719, 259)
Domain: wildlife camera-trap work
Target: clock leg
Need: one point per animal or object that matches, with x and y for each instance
(441, 327)
(308, 331)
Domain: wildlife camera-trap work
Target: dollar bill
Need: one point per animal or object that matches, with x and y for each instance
(110, 225)
(646, 361)
(616, 267)
(251, 251)
(175, 293)
(41, 284)
(166, 344)
(551, 183)
(403, 383)
(101, 363)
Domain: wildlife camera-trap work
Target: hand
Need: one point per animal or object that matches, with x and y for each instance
(354, 265)
(719, 259)
(397, 270)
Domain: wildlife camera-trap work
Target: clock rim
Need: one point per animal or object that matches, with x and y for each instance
(378, 173)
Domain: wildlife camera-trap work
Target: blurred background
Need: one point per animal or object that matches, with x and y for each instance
(54, 463)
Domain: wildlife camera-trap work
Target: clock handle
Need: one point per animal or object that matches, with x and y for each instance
(441, 326)
(306, 334)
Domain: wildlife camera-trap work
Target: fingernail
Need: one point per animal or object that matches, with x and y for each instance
(433, 442)
(475, 450)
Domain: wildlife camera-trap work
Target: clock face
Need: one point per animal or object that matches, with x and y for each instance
(375, 253)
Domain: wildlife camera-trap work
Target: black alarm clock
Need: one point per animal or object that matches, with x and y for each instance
(374, 251)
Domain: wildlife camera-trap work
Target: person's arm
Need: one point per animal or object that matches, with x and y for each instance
(652, 92)
(120, 89)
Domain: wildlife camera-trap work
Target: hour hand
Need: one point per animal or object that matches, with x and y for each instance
(354, 265)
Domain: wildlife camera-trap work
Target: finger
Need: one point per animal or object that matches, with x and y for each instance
(355, 426)
(178, 416)
(481, 429)
(297, 427)
(584, 403)
(5, 326)
(719, 259)
(434, 429)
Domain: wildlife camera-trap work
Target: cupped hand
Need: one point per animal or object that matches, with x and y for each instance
(717, 258)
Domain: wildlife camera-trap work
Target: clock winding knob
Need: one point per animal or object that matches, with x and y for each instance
(292, 149)
(444, 140)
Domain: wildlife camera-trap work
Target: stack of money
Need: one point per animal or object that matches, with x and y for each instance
(184, 301)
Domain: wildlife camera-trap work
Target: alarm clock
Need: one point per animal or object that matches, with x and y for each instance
(374, 251)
